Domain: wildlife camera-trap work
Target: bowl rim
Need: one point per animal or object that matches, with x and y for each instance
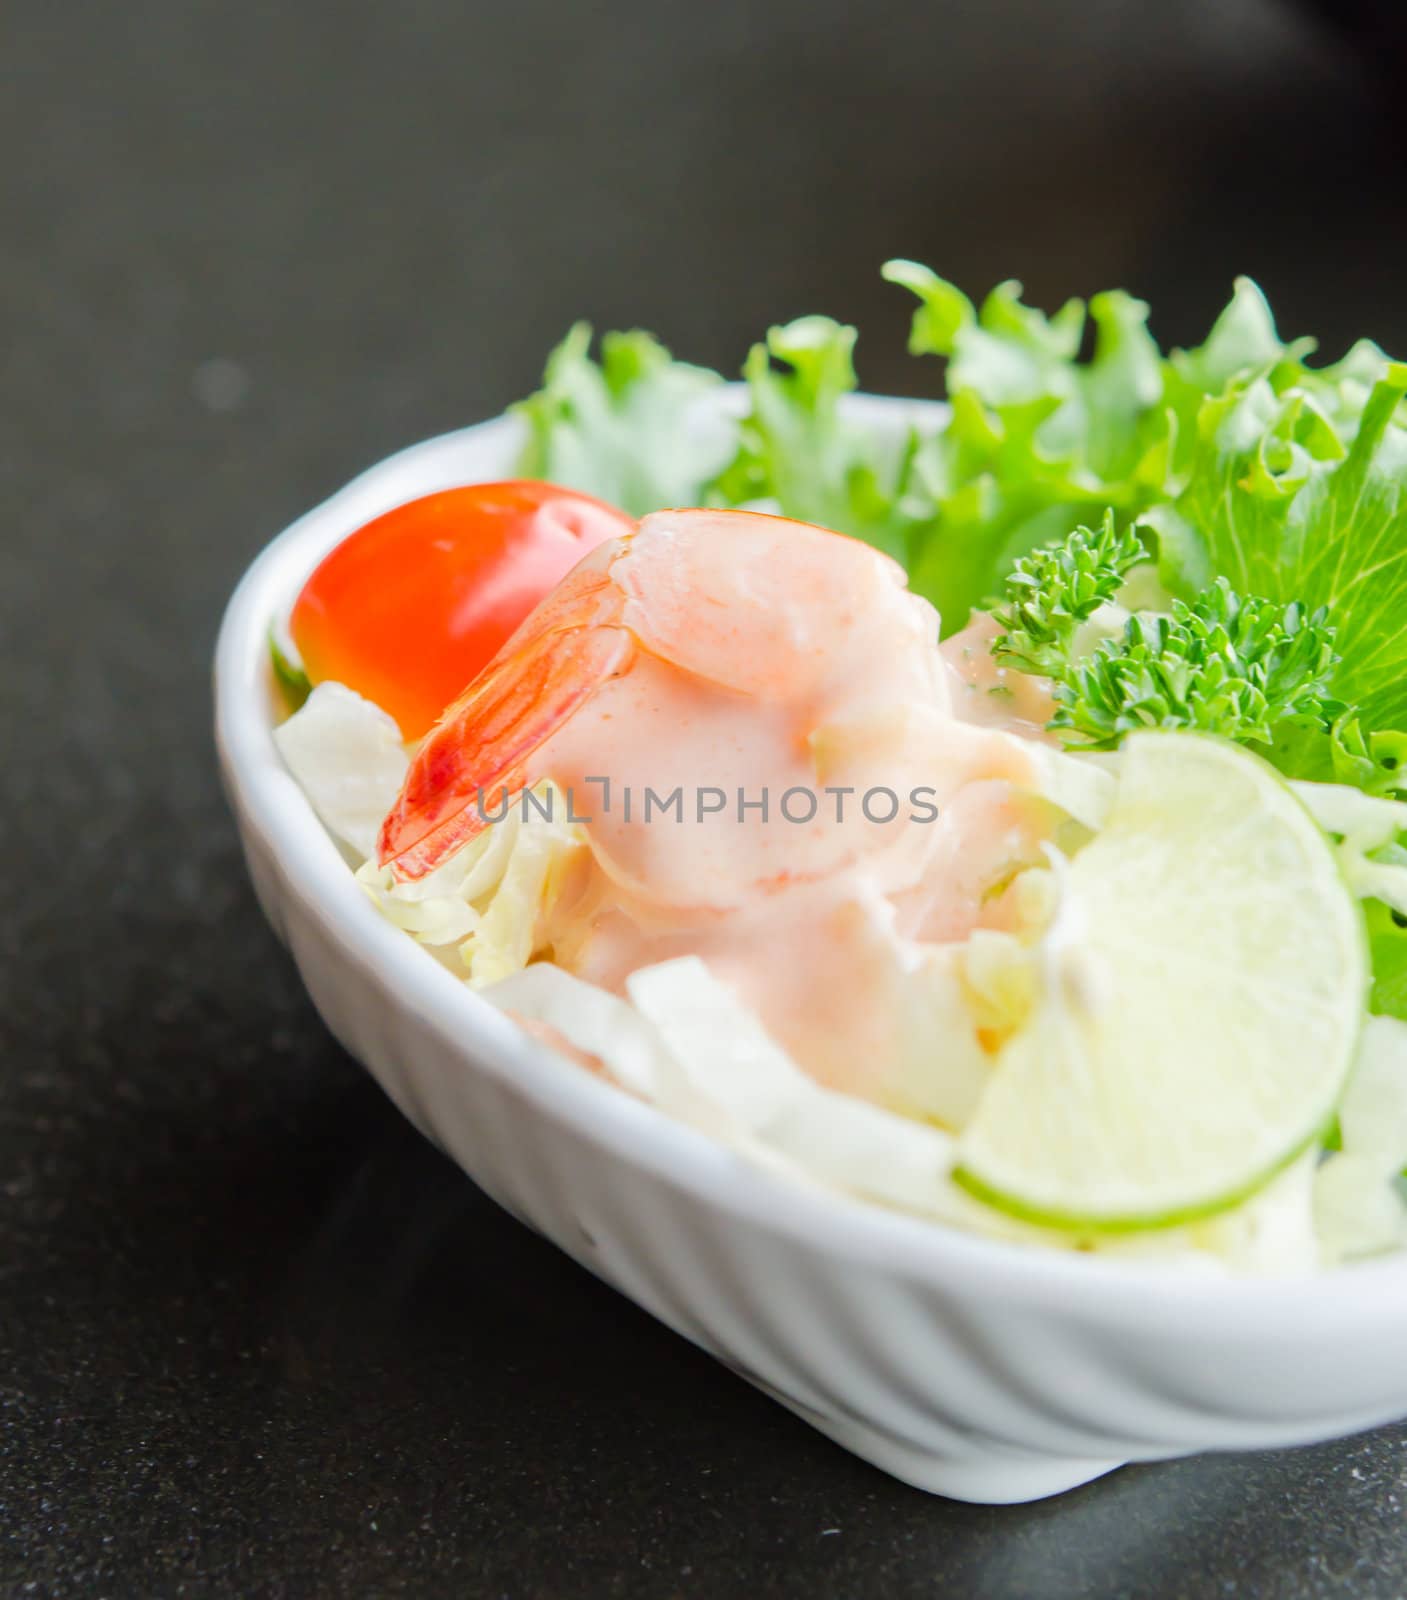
(1367, 1294)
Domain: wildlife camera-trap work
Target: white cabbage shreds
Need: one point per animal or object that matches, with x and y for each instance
(490, 896)
(1365, 824)
(348, 758)
(589, 1019)
(687, 1045)
(1082, 788)
(726, 1058)
(506, 937)
(1357, 1202)
(487, 898)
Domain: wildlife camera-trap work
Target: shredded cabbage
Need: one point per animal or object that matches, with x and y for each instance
(506, 937)
(348, 758)
(686, 1043)
(1374, 866)
(591, 1020)
(1358, 1202)
(728, 1061)
(489, 897)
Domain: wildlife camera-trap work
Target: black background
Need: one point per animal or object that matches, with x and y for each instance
(255, 1338)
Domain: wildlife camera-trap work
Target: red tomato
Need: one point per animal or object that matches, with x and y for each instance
(411, 607)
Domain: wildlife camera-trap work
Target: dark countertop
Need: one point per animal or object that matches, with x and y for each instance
(255, 1337)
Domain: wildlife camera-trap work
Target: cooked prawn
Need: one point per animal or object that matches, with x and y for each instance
(754, 606)
(758, 656)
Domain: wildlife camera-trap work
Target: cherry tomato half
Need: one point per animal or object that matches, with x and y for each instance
(411, 607)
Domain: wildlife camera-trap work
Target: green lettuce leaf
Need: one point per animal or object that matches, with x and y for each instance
(1040, 442)
(1289, 508)
(1344, 753)
(1243, 339)
(1374, 762)
(1387, 948)
(1234, 459)
(294, 683)
(798, 453)
(616, 428)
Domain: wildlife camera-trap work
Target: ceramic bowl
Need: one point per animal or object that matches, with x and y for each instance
(980, 1370)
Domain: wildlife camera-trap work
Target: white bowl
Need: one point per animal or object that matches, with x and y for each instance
(984, 1371)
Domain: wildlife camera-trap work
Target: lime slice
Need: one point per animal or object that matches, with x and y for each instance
(1203, 989)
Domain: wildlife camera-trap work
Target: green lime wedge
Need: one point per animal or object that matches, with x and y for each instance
(1203, 987)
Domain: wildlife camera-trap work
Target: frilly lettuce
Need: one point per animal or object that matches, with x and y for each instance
(1234, 459)
(617, 429)
(1387, 950)
(1299, 500)
(797, 452)
(1040, 442)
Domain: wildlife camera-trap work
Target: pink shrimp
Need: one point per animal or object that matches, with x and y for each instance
(751, 605)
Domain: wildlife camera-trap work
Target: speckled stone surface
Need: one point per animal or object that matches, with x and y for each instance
(256, 1339)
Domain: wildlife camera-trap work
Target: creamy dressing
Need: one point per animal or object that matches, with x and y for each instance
(985, 692)
(781, 662)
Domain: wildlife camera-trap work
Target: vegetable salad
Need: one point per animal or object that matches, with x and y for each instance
(1134, 625)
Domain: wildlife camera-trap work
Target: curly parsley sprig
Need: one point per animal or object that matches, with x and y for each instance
(1050, 592)
(1228, 664)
